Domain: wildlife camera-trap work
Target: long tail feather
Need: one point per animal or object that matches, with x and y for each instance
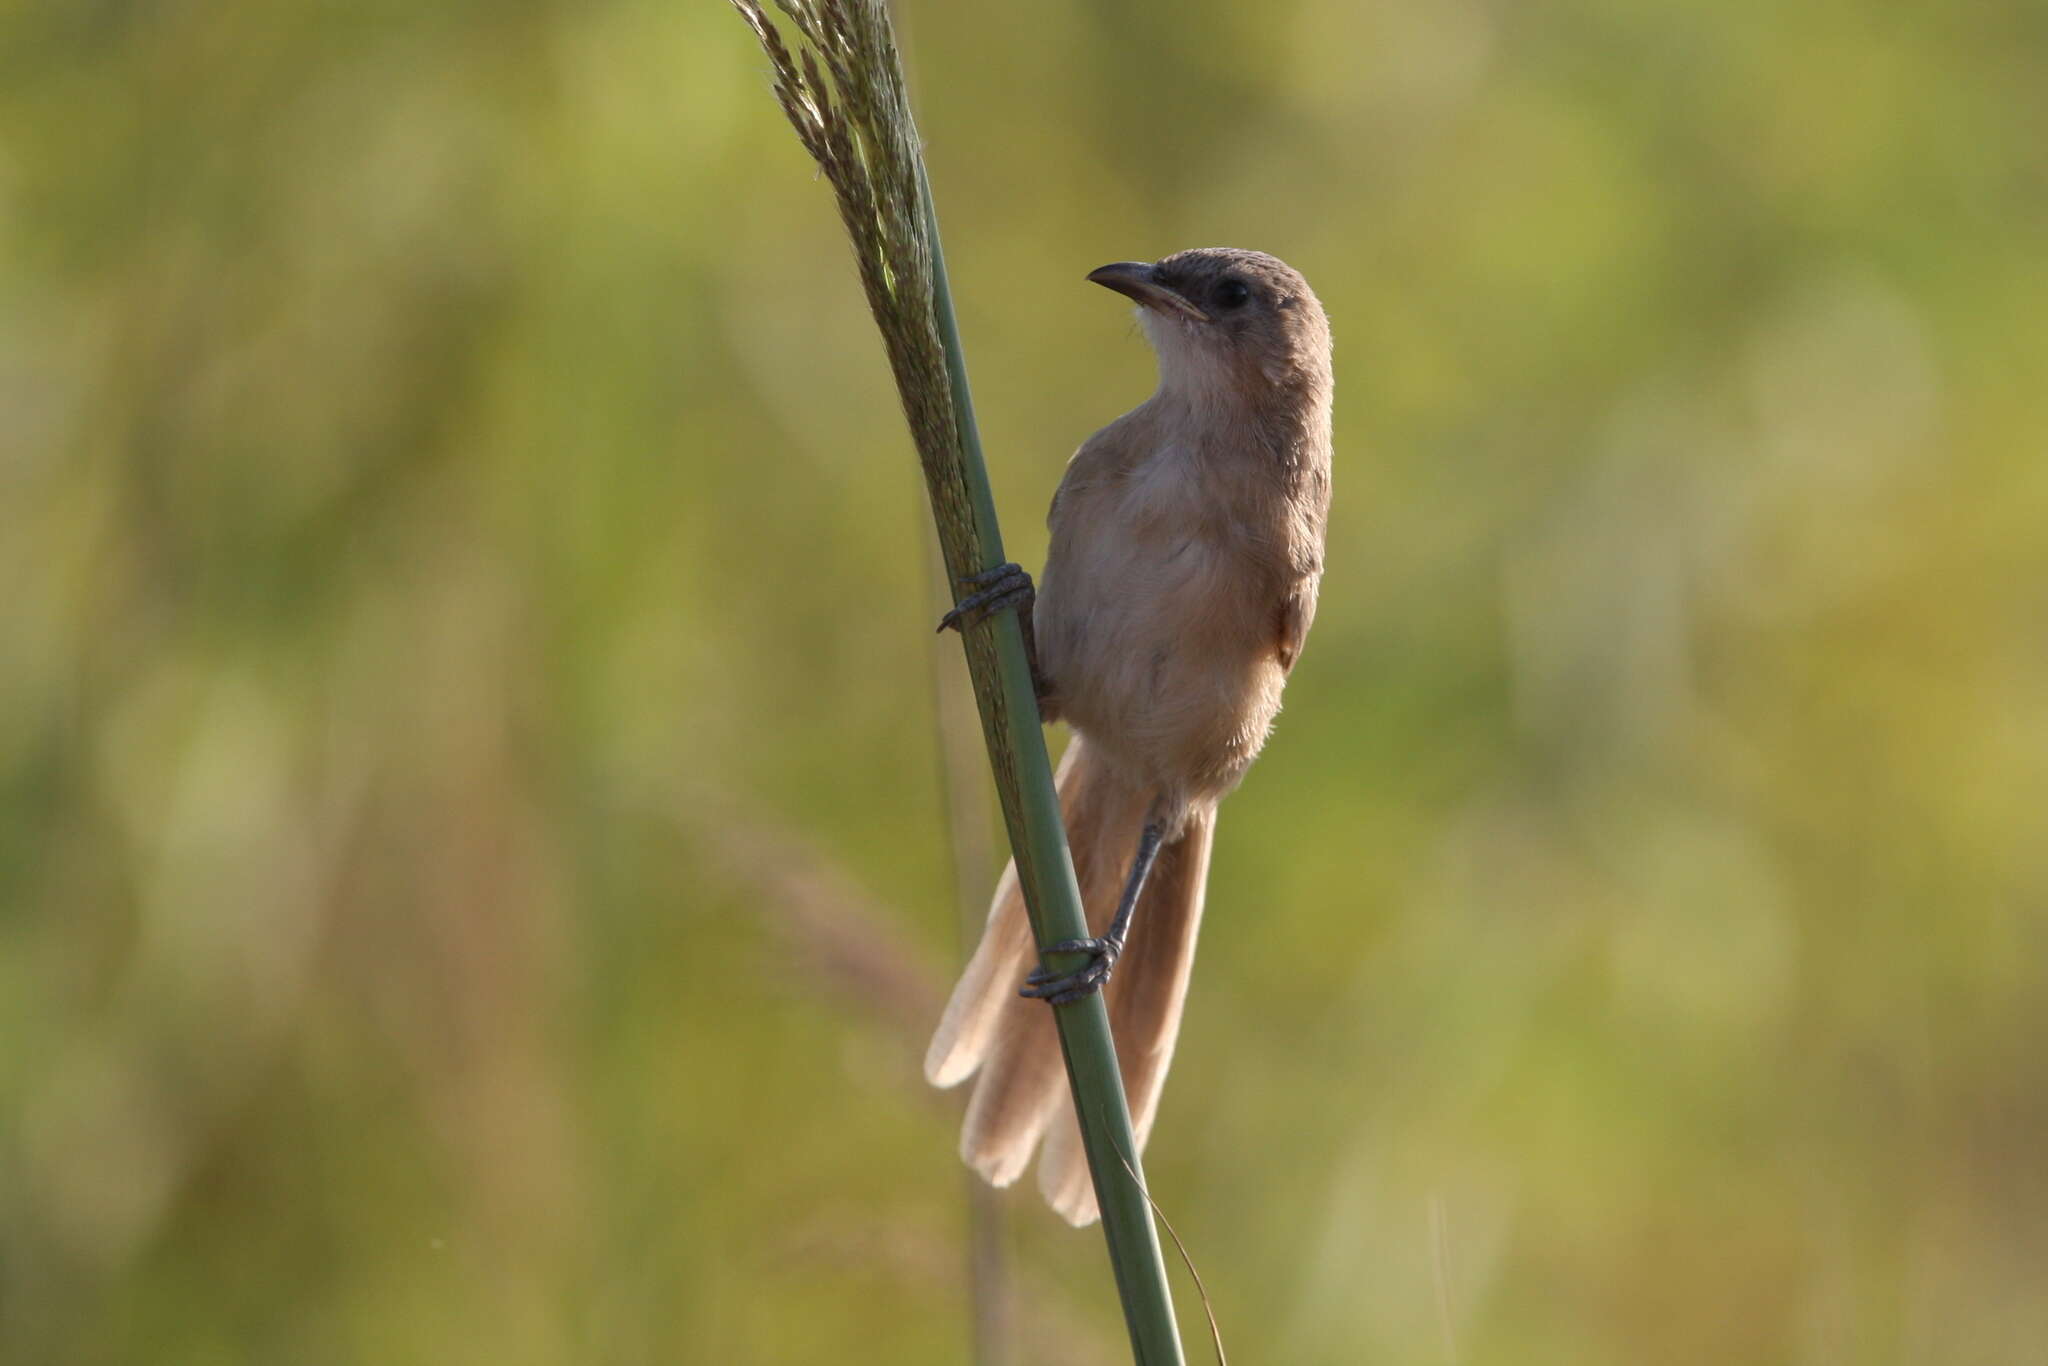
(1146, 998)
(1021, 1094)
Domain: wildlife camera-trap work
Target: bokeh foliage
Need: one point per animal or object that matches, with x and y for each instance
(472, 865)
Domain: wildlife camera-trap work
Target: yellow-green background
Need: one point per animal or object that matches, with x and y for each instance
(474, 875)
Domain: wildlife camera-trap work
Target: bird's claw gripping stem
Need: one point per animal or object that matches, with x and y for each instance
(1007, 585)
(1061, 988)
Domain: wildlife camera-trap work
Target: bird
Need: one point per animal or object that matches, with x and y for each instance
(1186, 554)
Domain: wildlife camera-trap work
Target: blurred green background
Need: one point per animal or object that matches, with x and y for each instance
(474, 866)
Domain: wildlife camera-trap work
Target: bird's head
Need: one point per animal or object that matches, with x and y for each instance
(1221, 317)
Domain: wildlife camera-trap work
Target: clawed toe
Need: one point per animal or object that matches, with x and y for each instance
(1007, 585)
(1061, 988)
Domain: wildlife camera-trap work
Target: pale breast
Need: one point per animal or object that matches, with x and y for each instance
(1155, 623)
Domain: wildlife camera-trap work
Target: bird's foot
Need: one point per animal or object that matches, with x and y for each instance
(1060, 988)
(1007, 585)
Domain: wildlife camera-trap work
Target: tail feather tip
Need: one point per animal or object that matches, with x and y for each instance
(945, 1066)
(1000, 1166)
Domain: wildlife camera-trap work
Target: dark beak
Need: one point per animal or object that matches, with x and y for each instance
(1140, 281)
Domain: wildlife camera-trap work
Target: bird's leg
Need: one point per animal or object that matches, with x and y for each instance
(1059, 988)
(1007, 585)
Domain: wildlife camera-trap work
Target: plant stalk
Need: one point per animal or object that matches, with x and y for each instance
(842, 87)
(1038, 841)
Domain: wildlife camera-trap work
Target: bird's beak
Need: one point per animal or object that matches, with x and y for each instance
(1140, 281)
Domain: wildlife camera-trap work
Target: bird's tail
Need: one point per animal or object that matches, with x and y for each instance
(1022, 1094)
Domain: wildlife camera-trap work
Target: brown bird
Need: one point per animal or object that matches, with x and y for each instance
(1187, 545)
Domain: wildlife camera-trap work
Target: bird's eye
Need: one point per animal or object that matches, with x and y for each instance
(1232, 294)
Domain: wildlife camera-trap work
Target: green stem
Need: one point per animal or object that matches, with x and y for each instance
(1031, 809)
